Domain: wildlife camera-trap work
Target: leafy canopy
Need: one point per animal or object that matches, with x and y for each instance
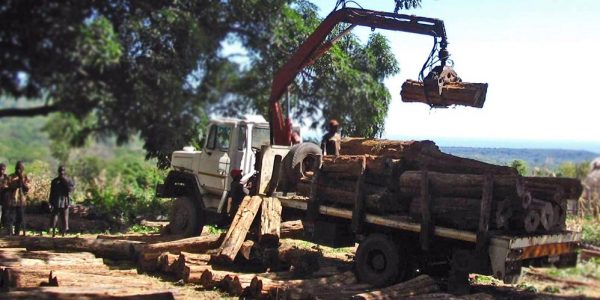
(155, 69)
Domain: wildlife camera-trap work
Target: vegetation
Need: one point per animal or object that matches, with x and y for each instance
(155, 70)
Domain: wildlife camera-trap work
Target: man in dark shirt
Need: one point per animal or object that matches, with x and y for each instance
(4, 180)
(330, 143)
(60, 200)
(237, 192)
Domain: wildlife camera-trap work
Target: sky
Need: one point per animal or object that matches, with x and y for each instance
(536, 55)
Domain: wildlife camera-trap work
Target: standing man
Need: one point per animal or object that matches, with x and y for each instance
(60, 200)
(4, 180)
(17, 200)
(330, 143)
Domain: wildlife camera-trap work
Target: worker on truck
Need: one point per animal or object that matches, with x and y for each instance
(330, 143)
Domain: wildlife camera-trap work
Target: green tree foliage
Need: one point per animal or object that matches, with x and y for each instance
(153, 68)
(520, 166)
(573, 170)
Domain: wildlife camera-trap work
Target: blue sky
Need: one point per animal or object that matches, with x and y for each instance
(537, 56)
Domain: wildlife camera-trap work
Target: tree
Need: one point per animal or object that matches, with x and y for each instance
(153, 68)
(520, 166)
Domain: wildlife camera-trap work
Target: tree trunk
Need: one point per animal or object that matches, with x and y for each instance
(270, 222)
(187, 259)
(384, 148)
(238, 230)
(458, 185)
(198, 244)
(459, 213)
(292, 229)
(347, 165)
(455, 93)
(115, 249)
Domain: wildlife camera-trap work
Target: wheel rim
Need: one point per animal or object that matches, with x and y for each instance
(376, 261)
(179, 221)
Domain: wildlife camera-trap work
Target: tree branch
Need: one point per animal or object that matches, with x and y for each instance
(28, 112)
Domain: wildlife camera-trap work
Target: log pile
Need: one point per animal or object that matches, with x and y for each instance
(385, 177)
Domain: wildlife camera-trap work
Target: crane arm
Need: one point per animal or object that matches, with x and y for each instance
(314, 47)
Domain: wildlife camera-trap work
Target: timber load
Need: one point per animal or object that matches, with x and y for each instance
(393, 177)
(453, 93)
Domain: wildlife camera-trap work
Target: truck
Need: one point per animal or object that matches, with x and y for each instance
(391, 246)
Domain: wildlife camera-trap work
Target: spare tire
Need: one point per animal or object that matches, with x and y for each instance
(300, 161)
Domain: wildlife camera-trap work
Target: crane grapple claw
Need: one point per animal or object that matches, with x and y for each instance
(443, 88)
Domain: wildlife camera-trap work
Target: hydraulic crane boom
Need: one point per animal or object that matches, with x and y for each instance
(314, 47)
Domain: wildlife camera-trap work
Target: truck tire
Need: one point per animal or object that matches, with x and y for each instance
(185, 219)
(380, 261)
(299, 161)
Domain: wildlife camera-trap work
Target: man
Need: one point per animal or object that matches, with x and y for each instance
(237, 192)
(60, 200)
(330, 143)
(18, 187)
(4, 179)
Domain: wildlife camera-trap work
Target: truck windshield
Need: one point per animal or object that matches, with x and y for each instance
(260, 137)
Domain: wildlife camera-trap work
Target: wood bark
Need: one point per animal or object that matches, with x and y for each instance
(73, 293)
(246, 249)
(458, 185)
(455, 93)
(238, 230)
(454, 212)
(291, 229)
(384, 148)
(422, 284)
(197, 244)
(193, 274)
(167, 263)
(115, 249)
(270, 222)
(572, 187)
(187, 259)
(348, 165)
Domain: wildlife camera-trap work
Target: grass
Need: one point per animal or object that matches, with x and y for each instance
(590, 231)
(137, 228)
(587, 269)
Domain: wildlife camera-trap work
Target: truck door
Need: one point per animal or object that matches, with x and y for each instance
(215, 161)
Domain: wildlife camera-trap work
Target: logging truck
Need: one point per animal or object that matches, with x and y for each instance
(410, 207)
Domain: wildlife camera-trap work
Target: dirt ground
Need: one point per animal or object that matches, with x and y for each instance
(580, 282)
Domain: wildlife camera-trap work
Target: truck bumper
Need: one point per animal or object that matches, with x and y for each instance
(509, 253)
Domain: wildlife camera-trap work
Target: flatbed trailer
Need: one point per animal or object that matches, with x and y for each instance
(502, 255)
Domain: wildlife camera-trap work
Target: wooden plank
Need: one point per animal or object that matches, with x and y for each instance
(358, 214)
(237, 232)
(485, 212)
(270, 222)
(426, 226)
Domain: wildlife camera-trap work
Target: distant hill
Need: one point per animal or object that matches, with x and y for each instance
(550, 158)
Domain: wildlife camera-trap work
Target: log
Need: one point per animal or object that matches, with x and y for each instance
(115, 249)
(459, 213)
(572, 187)
(305, 288)
(454, 93)
(270, 222)
(189, 259)
(246, 249)
(528, 220)
(70, 293)
(422, 284)
(212, 278)
(238, 230)
(458, 185)
(437, 161)
(167, 262)
(198, 244)
(301, 261)
(348, 165)
(291, 229)
(193, 274)
(384, 148)
(504, 212)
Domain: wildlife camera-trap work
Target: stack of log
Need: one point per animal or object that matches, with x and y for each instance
(25, 271)
(390, 176)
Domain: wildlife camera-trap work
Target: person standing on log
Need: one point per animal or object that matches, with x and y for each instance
(237, 192)
(18, 187)
(60, 200)
(4, 180)
(330, 143)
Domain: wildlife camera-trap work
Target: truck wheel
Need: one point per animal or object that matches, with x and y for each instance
(185, 218)
(379, 261)
(300, 161)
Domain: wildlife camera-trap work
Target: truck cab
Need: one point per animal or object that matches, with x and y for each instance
(199, 179)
